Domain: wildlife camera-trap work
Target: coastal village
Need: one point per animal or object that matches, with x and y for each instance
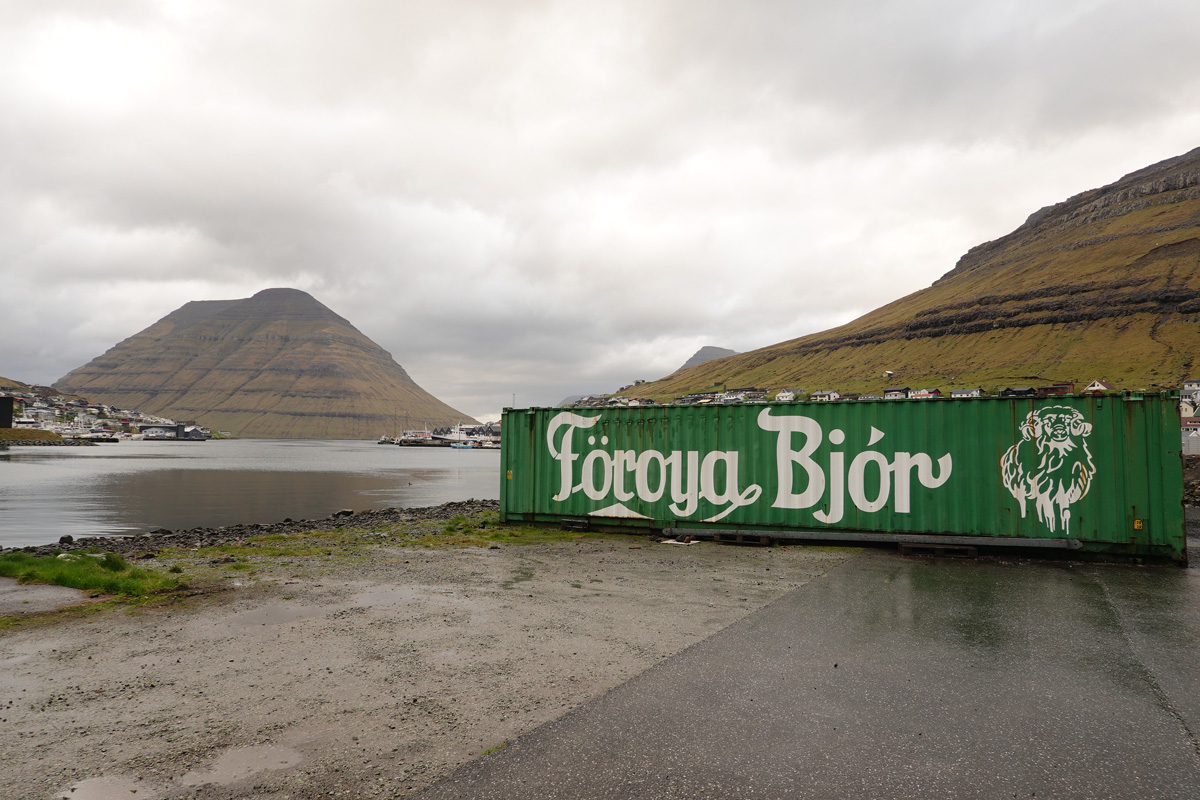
(460, 437)
(1189, 399)
(76, 419)
(1189, 393)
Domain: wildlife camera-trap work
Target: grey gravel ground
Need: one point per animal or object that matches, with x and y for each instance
(368, 674)
(900, 678)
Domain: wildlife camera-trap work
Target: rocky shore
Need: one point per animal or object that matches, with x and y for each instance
(154, 541)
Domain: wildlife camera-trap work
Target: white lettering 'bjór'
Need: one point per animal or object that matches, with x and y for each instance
(691, 477)
(894, 476)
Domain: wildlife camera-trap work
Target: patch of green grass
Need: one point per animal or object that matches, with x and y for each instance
(457, 523)
(102, 606)
(70, 612)
(289, 545)
(481, 531)
(495, 748)
(290, 551)
(108, 573)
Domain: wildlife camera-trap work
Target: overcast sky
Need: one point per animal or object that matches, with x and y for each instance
(542, 199)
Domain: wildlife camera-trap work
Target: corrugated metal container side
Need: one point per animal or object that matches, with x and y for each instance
(1101, 473)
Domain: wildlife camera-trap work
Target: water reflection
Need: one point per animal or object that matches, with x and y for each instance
(138, 486)
(956, 604)
(1110, 621)
(178, 499)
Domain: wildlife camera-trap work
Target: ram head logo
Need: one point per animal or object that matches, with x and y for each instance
(1051, 465)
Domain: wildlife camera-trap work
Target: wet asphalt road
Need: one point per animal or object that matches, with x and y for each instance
(896, 677)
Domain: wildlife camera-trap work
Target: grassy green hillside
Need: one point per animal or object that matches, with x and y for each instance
(27, 435)
(1104, 285)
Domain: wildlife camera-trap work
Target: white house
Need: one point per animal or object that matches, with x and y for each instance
(966, 392)
(1191, 436)
(1098, 386)
(824, 396)
(785, 396)
(895, 393)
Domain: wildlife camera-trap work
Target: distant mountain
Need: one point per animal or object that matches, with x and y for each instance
(1104, 285)
(276, 365)
(11, 385)
(705, 354)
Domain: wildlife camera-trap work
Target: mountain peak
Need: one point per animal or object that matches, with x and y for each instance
(285, 298)
(279, 364)
(706, 354)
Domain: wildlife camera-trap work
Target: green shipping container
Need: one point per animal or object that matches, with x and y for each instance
(1097, 473)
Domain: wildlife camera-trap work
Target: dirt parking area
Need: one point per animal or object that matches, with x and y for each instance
(368, 675)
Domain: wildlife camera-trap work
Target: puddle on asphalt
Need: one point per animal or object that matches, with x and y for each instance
(32, 598)
(109, 788)
(243, 762)
(389, 596)
(233, 766)
(274, 615)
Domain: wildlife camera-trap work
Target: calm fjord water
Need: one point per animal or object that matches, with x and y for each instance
(136, 486)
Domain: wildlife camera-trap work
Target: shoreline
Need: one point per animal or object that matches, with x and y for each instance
(155, 540)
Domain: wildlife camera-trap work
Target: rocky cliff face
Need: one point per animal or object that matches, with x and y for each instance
(276, 365)
(1176, 180)
(1103, 285)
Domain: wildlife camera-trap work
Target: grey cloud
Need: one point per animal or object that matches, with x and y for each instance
(548, 198)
